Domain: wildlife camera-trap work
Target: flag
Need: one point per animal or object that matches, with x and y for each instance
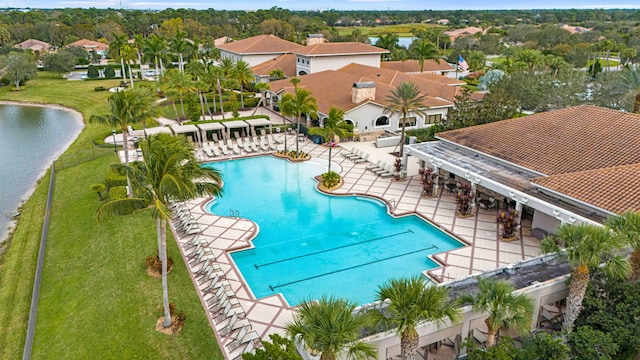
(462, 63)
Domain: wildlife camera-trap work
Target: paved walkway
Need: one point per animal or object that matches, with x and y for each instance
(269, 315)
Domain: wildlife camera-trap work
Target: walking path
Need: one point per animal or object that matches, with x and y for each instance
(270, 315)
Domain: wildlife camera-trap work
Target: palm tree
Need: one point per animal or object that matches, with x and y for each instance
(262, 87)
(328, 326)
(424, 50)
(285, 111)
(197, 71)
(627, 83)
(628, 225)
(333, 125)
(216, 74)
(242, 73)
(302, 102)
(505, 309)
(405, 99)
(586, 247)
(178, 83)
(155, 48)
(115, 50)
(170, 172)
(180, 46)
(411, 302)
(128, 55)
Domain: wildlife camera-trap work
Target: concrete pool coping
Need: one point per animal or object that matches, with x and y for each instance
(270, 315)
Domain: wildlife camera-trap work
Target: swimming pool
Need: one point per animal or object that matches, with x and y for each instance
(312, 244)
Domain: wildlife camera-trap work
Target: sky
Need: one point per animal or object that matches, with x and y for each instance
(326, 4)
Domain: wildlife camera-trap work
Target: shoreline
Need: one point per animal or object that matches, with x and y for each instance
(75, 115)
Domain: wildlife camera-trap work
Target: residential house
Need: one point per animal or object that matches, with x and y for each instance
(471, 30)
(38, 47)
(413, 67)
(90, 45)
(257, 49)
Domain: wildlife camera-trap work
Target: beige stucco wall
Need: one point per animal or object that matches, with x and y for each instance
(322, 63)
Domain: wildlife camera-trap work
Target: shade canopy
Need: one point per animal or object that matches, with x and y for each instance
(183, 129)
(157, 130)
(211, 126)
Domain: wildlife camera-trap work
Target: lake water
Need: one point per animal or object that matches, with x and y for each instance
(31, 137)
(402, 41)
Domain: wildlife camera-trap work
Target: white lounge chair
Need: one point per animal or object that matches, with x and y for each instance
(246, 339)
(362, 159)
(236, 149)
(373, 166)
(356, 155)
(353, 151)
(234, 324)
(272, 145)
(223, 148)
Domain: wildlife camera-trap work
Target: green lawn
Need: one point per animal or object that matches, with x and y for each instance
(400, 29)
(96, 299)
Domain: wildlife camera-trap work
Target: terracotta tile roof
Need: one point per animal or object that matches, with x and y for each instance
(333, 88)
(616, 189)
(89, 44)
(33, 44)
(285, 62)
(413, 66)
(431, 85)
(472, 30)
(563, 141)
(261, 44)
(339, 48)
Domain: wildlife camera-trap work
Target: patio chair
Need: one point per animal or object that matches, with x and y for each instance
(247, 148)
(214, 270)
(246, 339)
(373, 166)
(248, 349)
(216, 283)
(271, 144)
(217, 295)
(229, 311)
(356, 155)
(362, 159)
(234, 324)
(387, 168)
(254, 146)
(224, 304)
(240, 142)
(263, 144)
(270, 137)
(350, 152)
(215, 150)
(236, 149)
(223, 148)
(207, 270)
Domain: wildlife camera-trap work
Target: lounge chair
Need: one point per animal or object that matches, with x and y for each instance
(356, 155)
(247, 338)
(224, 304)
(217, 295)
(223, 148)
(351, 152)
(216, 283)
(373, 166)
(207, 149)
(263, 144)
(385, 174)
(236, 149)
(362, 159)
(248, 349)
(387, 168)
(240, 142)
(229, 311)
(203, 255)
(270, 137)
(234, 324)
(214, 270)
(271, 144)
(254, 146)
(247, 148)
(208, 269)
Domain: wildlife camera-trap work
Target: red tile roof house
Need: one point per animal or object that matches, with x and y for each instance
(574, 165)
(90, 45)
(38, 47)
(361, 91)
(257, 49)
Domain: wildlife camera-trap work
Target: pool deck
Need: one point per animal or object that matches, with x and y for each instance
(270, 315)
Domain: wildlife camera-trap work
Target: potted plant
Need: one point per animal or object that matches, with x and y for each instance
(464, 196)
(428, 178)
(398, 168)
(509, 221)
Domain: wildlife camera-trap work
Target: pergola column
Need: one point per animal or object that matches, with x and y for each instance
(405, 161)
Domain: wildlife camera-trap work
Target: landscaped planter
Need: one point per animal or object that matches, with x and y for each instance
(291, 155)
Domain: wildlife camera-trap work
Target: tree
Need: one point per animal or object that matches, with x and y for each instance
(176, 84)
(302, 102)
(92, 72)
(623, 87)
(627, 225)
(333, 125)
(589, 344)
(280, 348)
(180, 46)
(109, 73)
(242, 73)
(60, 62)
(476, 59)
(586, 247)
(170, 172)
(18, 67)
(155, 48)
(98, 188)
(405, 99)
(116, 51)
(328, 326)
(388, 41)
(411, 302)
(505, 309)
(424, 50)
(128, 54)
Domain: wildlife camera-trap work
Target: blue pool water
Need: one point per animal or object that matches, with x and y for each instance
(311, 244)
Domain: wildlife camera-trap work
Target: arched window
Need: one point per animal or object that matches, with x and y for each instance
(382, 120)
(302, 73)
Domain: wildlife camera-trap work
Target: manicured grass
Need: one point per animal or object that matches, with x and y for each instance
(96, 299)
(400, 29)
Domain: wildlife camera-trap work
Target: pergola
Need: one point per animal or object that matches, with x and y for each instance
(214, 127)
(187, 129)
(157, 130)
(254, 123)
(507, 180)
(236, 124)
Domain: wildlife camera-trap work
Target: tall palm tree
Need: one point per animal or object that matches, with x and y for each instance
(328, 327)
(333, 125)
(170, 172)
(197, 71)
(505, 309)
(262, 87)
(242, 73)
(626, 83)
(128, 54)
(285, 111)
(424, 50)
(586, 247)
(628, 225)
(411, 302)
(217, 75)
(180, 45)
(115, 51)
(405, 99)
(155, 49)
(178, 83)
(302, 102)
